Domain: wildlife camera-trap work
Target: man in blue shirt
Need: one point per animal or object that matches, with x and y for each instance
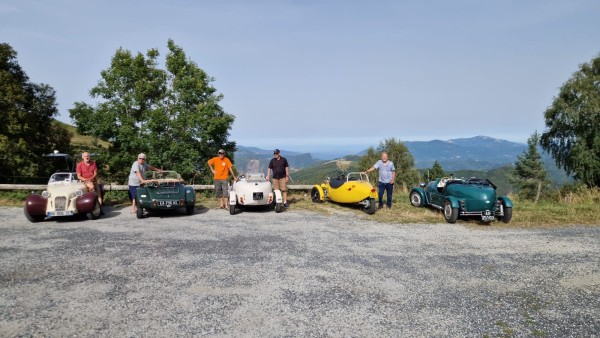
(387, 175)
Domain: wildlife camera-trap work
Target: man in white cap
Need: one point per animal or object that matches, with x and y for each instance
(136, 177)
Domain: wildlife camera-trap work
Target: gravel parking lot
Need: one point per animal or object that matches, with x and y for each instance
(296, 273)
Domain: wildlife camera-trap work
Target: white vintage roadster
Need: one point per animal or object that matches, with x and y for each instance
(253, 190)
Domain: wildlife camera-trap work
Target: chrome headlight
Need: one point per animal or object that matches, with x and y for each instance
(45, 194)
(79, 192)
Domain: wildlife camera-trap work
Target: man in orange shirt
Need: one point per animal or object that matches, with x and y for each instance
(220, 166)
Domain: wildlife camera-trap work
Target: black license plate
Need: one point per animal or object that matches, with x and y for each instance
(487, 216)
(167, 203)
(257, 196)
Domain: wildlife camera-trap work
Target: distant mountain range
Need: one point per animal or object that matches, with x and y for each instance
(480, 153)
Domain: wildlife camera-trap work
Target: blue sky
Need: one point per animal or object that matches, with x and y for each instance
(306, 75)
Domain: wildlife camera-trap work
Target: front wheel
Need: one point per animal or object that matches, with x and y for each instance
(450, 213)
(96, 212)
(371, 207)
(315, 195)
(507, 215)
(415, 199)
(33, 218)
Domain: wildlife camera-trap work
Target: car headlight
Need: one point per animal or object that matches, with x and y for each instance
(45, 194)
(79, 192)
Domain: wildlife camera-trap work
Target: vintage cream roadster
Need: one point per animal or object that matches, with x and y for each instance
(64, 196)
(253, 190)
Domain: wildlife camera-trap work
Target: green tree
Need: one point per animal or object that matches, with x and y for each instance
(398, 153)
(528, 174)
(436, 171)
(572, 134)
(173, 114)
(26, 131)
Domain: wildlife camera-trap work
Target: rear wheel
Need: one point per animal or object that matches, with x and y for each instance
(450, 213)
(189, 209)
(232, 209)
(372, 207)
(507, 215)
(315, 195)
(278, 207)
(415, 199)
(139, 212)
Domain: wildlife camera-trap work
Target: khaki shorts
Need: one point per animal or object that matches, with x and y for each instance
(222, 188)
(279, 183)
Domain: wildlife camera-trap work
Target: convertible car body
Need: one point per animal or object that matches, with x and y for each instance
(353, 188)
(474, 197)
(164, 190)
(253, 190)
(64, 196)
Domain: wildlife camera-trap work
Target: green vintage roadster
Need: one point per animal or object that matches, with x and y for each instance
(475, 197)
(164, 190)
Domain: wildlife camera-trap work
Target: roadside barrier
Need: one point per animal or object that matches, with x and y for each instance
(121, 187)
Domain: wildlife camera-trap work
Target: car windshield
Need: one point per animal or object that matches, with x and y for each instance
(162, 175)
(255, 177)
(62, 177)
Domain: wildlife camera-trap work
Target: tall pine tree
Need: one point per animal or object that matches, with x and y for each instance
(528, 174)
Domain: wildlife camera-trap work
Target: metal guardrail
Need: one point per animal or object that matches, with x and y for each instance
(121, 187)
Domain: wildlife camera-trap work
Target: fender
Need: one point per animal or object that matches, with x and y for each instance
(232, 198)
(36, 205)
(86, 202)
(278, 196)
(422, 193)
(190, 195)
(506, 201)
(453, 201)
(321, 192)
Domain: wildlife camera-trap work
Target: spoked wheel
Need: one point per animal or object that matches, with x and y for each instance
(450, 213)
(371, 207)
(415, 199)
(95, 214)
(315, 195)
(139, 212)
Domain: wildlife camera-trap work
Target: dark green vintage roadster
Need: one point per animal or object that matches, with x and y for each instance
(475, 197)
(164, 190)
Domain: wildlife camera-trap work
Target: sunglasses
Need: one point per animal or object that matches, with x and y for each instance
(221, 153)
(141, 158)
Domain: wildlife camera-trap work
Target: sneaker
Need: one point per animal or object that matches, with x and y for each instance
(285, 205)
(380, 207)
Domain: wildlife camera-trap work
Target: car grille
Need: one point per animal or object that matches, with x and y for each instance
(60, 203)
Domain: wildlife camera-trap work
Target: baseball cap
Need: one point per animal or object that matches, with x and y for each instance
(221, 151)
(276, 151)
(142, 155)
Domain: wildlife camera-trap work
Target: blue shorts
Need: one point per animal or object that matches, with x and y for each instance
(132, 190)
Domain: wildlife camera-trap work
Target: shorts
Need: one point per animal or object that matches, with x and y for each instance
(279, 183)
(132, 190)
(222, 188)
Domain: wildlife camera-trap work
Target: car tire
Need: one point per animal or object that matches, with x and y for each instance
(33, 218)
(189, 209)
(372, 207)
(315, 195)
(232, 209)
(415, 199)
(96, 212)
(450, 213)
(507, 215)
(278, 207)
(139, 213)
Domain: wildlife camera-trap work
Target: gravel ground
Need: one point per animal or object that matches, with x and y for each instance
(296, 273)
